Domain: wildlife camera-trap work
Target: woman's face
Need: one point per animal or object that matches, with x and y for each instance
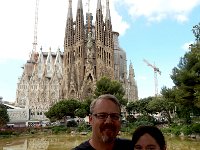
(146, 142)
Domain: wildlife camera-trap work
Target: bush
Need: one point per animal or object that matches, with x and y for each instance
(83, 127)
(166, 130)
(145, 120)
(187, 130)
(143, 123)
(195, 128)
(72, 123)
(130, 128)
(176, 131)
(131, 118)
(173, 129)
(6, 132)
(58, 129)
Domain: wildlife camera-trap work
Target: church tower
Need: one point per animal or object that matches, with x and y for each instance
(132, 91)
(91, 51)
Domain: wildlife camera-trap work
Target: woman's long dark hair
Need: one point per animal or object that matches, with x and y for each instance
(151, 130)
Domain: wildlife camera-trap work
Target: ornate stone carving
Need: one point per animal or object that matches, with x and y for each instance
(16, 115)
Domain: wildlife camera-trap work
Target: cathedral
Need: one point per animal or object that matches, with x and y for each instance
(91, 51)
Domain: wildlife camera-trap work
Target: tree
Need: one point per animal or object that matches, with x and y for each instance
(4, 118)
(186, 77)
(86, 105)
(108, 86)
(82, 113)
(132, 108)
(84, 109)
(62, 109)
(139, 106)
(163, 106)
(169, 102)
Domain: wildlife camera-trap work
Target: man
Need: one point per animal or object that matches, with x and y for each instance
(105, 119)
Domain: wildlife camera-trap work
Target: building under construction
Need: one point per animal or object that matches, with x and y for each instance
(91, 50)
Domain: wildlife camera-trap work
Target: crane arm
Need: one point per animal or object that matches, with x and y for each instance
(148, 63)
(156, 69)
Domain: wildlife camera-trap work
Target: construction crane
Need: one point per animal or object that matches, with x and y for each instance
(156, 70)
(34, 54)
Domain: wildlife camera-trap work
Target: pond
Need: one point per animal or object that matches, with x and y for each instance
(66, 142)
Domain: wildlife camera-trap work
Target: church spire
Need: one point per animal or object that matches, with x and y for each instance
(79, 6)
(133, 93)
(108, 27)
(131, 71)
(107, 10)
(79, 29)
(99, 24)
(69, 27)
(89, 18)
(99, 7)
(69, 14)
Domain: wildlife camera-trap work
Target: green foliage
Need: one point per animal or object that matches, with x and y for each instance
(84, 109)
(176, 131)
(83, 127)
(196, 128)
(145, 120)
(166, 130)
(186, 130)
(183, 112)
(59, 129)
(6, 133)
(139, 106)
(81, 112)
(62, 109)
(129, 128)
(108, 86)
(131, 107)
(161, 105)
(131, 118)
(186, 77)
(4, 118)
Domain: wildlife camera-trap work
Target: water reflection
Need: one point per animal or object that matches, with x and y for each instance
(66, 142)
(53, 142)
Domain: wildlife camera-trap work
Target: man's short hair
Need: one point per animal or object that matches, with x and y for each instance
(105, 96)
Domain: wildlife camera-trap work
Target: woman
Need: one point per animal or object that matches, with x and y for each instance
(148, 138)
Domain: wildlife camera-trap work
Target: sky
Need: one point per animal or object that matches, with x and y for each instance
(159, 31)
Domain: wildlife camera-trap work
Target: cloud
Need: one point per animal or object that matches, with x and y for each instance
(17, 25)
(186, 45)
(119, 25)
(16, 29)
(157, 10)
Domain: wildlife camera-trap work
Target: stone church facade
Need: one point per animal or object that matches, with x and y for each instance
(91, 50)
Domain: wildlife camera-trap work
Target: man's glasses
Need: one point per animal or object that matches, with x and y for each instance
(104, 116)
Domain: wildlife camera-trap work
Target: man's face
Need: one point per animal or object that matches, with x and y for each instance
(105, 129)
